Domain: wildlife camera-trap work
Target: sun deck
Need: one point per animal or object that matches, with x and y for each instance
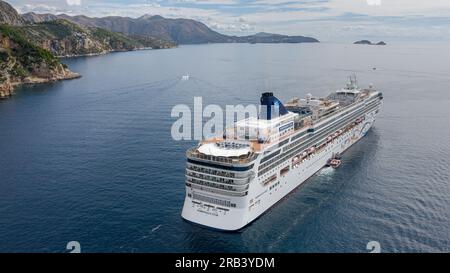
(250, 137)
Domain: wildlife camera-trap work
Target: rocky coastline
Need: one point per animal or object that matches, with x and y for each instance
(8, 86)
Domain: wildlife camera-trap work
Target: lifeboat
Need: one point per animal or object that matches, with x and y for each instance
(329, 138)
(311, 150)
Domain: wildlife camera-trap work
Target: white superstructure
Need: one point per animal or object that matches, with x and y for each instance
(232, 180)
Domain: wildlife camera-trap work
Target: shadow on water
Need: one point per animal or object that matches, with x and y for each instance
(45, 89)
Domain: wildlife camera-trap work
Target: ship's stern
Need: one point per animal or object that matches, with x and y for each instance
(216, 212)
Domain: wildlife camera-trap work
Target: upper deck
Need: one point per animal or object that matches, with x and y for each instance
(242, 144)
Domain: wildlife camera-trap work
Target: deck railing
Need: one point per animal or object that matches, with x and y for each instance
(194, 153)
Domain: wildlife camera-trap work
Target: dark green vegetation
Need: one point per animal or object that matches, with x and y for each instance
(64, 38)
(22, 55)
(117, 40)
(265, 38)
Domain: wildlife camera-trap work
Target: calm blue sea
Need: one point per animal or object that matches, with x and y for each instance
(92, 160)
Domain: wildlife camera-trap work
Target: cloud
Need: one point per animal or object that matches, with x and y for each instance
(232, 27)
(73, 2)
(39, 8)
(324, 19)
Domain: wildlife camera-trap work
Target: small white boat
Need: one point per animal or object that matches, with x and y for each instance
(335, 163)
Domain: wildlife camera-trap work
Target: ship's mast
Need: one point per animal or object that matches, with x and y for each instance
(353, 82)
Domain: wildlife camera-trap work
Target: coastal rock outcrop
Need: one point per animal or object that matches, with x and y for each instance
(22, 62)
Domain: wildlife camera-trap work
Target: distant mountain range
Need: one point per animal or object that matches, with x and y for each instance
(180, 31)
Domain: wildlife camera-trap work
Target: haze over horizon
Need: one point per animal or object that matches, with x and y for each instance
(326, 20)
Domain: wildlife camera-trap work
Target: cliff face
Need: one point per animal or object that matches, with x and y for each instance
(23, 62)
(9, 16)
(64, 38)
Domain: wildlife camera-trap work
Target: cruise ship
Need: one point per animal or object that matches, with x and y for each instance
(233, 179)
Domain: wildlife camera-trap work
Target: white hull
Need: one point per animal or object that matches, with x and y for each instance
(260, 197)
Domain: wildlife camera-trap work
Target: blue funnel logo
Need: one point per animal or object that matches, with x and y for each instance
(271, 107)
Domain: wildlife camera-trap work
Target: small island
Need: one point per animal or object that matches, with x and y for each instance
(367, 42)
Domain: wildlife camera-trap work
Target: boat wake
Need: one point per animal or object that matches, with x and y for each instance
(326, 171)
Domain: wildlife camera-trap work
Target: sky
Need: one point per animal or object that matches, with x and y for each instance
(327, 20)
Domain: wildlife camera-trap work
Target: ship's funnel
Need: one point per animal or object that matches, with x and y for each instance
(271, 107)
